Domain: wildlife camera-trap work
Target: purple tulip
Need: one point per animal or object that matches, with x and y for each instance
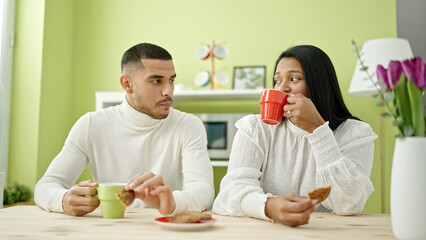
(382, 74)
(394, 72)
(415, 68)
(424, 77)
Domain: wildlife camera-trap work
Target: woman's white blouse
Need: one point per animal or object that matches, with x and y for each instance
(269, 160)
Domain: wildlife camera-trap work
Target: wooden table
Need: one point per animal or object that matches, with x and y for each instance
(31, 222)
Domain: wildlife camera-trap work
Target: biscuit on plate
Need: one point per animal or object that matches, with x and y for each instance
(126, 197)
(189, 217)
(320, 193)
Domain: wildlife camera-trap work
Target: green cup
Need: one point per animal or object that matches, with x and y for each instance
(110, 205)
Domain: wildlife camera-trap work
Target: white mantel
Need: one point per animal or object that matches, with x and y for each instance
(106, 99)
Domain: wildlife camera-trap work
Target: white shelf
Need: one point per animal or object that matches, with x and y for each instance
(106, 99)
(219, 163)
(217, 94)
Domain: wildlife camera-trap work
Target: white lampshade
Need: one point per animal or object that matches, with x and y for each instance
(377, 52)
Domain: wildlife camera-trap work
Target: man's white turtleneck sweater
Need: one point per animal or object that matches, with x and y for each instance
(120, 142)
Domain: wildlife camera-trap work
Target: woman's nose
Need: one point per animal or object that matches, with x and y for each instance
(283, 86)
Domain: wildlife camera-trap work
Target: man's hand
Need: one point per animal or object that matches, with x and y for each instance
(290, 209)
(153, 191)
(76, 203)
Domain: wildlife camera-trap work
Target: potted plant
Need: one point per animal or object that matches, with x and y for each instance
(16, 193)
(400, 89)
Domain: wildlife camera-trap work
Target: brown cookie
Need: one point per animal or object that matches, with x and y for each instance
(320, 193)
(185, 217)
(205, 216)
(189, 217)
(126, 197)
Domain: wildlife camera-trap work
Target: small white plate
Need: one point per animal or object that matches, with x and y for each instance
(202, 224)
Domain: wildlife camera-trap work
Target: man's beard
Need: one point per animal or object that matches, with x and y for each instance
(167, 99)
(158, 116)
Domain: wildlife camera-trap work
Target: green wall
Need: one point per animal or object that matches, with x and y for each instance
(66, 51)
(57, 90)
(26, 87)
(42, 92)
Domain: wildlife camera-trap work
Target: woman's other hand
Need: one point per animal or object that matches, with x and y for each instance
(290, 209)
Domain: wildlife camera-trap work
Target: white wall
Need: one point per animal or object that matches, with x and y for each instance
(411, 24)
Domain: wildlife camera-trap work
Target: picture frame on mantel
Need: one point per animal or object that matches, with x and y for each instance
(249, 77)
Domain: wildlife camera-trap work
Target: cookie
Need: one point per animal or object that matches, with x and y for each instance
(126, 197)
(189, 217)
(320, 193)
(205, 216)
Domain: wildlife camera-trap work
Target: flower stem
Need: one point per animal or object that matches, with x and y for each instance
(370, 76)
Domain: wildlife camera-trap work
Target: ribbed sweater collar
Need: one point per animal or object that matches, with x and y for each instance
(137, 120)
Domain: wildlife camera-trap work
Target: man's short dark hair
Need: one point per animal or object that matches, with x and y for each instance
(135, 54)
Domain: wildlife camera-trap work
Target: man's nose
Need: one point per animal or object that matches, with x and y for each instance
(168, 90)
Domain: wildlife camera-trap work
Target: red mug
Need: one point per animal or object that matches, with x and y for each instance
(271, 106)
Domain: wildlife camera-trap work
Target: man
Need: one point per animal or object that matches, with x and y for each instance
(160, 152)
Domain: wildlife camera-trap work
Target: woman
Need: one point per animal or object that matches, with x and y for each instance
(318, 143)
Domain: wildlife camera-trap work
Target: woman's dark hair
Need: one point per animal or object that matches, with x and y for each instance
(321, 83)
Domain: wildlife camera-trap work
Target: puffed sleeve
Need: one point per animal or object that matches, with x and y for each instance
(344, 161)
(240, 192)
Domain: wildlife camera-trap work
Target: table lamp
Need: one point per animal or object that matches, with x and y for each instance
(378, 52)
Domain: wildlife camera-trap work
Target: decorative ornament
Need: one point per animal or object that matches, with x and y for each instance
(215, 78)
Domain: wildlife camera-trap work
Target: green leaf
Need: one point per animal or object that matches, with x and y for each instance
(379, 104)
(417, 106)
(398, 121)
(389, 96)
(382, 89)
(386, 114)
(399, 135)
(403, 102)
(408, 130)
(14, 193)
(365, 68)
(375, 95)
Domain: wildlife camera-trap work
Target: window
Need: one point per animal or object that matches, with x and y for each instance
(7, 17)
